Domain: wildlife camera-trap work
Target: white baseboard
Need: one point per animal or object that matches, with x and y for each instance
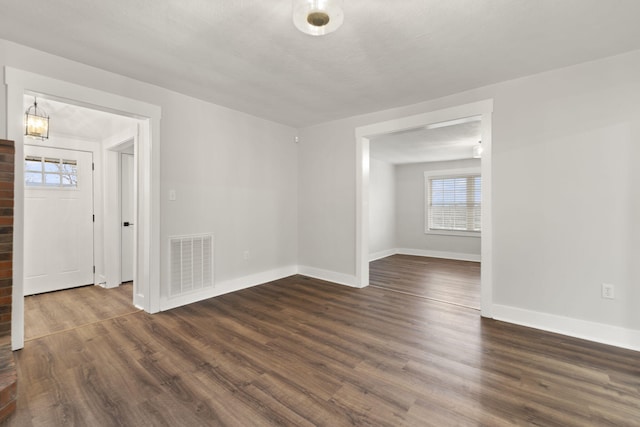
(382, 254)
(591, 331)
(228, 286)
(583, 329)
(440, 254)
(329, 276)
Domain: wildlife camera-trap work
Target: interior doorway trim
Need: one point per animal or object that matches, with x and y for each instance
(113, 148)
(148, 216)
(483, 109)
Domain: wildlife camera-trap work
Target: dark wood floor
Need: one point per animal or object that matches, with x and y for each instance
(445, 280)
(302, 352)
(52, 312)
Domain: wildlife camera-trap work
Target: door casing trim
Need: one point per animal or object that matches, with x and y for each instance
(148, 162)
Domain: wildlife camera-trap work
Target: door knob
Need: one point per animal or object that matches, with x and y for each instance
(127, 223)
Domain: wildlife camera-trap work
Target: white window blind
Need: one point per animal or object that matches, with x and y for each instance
(454, 203)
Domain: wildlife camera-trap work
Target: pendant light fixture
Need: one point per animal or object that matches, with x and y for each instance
(317, 17)
(36, 122)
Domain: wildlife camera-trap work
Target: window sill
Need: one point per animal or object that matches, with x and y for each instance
(454, 233)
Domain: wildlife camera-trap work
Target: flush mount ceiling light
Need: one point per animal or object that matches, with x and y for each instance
(36, 122)
(317, 17)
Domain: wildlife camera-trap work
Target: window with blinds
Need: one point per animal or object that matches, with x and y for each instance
(453, 204)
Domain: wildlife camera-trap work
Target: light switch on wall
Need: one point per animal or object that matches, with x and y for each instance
(172, 195)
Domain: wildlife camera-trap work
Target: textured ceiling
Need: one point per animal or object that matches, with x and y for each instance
(427, 144)
(247, 55)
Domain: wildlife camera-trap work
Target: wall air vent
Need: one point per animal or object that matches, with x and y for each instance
(191, 263)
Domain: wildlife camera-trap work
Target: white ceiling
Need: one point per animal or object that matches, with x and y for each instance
(247, 54)
(438, 143)
(80, 122)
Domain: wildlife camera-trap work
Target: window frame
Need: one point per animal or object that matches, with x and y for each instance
(447, 173)
(61, 164)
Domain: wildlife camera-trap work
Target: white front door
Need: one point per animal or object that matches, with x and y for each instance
(58, 219)
(127, 226)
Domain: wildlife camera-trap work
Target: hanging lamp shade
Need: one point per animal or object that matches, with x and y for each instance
(317, 17)
(36, 122)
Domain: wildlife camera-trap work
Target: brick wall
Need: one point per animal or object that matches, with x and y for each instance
(8, 377)
(7, 154)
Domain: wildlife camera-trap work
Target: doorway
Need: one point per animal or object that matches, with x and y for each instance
(127, 216)
(424, 216)
(483, 110)
(147, 255)
(65, 183)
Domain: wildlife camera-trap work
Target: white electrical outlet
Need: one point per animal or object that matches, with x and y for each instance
(246, 255)
(607, 291)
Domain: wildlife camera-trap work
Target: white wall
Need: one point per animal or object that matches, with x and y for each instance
(382, 209)
(237, 178)
(397, 208)
(326, 193)
(410, 211)
(235, 175)
(566, 204)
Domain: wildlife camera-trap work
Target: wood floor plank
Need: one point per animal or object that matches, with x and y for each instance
(447, 280)
(301, 351)
(62, 310)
